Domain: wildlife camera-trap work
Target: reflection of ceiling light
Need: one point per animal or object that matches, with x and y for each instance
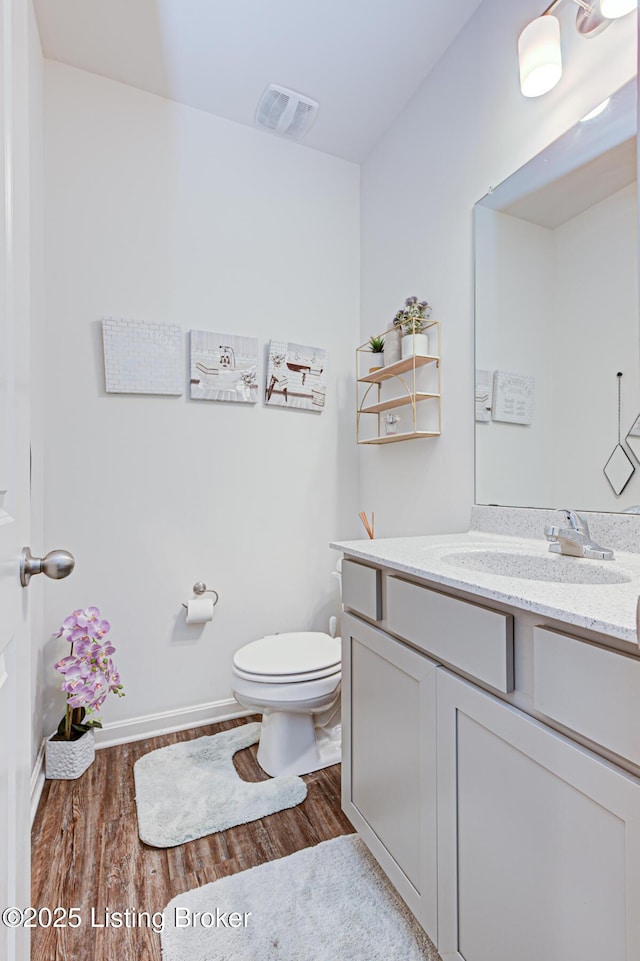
(539, 43)
(596, 110)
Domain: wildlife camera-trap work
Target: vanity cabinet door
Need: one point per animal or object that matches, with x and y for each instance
(538, 839)
(389, 760)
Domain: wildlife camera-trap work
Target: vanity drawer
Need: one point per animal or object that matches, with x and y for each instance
(474, 639)
(588, 689)
(361, 589)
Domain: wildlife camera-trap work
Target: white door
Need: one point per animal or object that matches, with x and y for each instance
(15, 713)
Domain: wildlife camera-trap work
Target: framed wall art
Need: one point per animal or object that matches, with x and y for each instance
(223, 367)
(484, 395)
(142, 357)
(296, 376)
(513, 396)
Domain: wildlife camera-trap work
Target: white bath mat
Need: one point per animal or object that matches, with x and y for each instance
(191, 789)
(326, 903)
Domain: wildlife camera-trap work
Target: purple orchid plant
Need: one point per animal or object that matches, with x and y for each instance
(88, 672)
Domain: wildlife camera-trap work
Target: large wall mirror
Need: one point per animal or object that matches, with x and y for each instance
(557, 319)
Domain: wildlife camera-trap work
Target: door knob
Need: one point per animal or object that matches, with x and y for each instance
(56, 564)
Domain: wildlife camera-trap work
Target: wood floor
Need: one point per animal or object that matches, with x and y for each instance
(86, 852)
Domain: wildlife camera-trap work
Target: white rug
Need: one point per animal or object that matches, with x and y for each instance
(191, 789)
(326, 903)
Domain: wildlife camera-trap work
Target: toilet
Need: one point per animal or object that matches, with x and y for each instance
(293, 680)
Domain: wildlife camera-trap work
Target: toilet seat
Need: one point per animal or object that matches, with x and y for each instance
(289, 658)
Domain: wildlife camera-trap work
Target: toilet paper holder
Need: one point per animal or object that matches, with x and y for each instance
(200, 588)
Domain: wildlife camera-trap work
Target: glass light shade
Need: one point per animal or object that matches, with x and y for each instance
(612, 9)
(540, 56)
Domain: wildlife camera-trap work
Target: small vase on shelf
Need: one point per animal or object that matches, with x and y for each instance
(392, 346)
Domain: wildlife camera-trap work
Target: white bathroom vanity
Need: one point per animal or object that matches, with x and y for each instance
(491, 739)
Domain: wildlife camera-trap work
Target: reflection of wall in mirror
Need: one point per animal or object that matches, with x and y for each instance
(514, 293)
(562, 305)
(597, 328)
(632, 440)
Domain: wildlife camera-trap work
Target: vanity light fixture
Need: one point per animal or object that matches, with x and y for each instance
(540, 56)
(617, 8)
(539, 51)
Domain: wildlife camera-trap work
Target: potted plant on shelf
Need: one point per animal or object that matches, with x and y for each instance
(413, 319)
(88, 675)
(376, 346)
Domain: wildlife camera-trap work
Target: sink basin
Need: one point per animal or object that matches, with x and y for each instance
(538, 567)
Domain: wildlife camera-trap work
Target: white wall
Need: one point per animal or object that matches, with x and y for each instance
(160, 212)
(467, 128)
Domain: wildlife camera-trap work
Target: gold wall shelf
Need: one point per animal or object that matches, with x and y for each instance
(393, 438)
(405, 372)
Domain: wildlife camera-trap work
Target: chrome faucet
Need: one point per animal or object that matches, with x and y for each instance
(574, 538)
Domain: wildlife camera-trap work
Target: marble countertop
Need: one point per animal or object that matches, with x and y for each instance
(608, 609)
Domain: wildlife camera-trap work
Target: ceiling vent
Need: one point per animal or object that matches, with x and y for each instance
(286, 112)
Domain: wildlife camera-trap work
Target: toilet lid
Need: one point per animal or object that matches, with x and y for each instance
(306, 652)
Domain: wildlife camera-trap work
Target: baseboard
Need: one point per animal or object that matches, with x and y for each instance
(138, 728)
(165, 722)
(37, 780)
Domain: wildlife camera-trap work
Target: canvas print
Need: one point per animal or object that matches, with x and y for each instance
(296, 376)
(513, 396)
(224, 367)
(484, 395)
(142, 357)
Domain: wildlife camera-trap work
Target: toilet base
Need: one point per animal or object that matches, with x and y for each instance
(291, 743)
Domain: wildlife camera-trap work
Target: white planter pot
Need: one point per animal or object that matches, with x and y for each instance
(67, 760)
(376, 361)
(415, 345)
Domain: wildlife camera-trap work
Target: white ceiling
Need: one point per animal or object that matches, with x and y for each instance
(361, 59)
